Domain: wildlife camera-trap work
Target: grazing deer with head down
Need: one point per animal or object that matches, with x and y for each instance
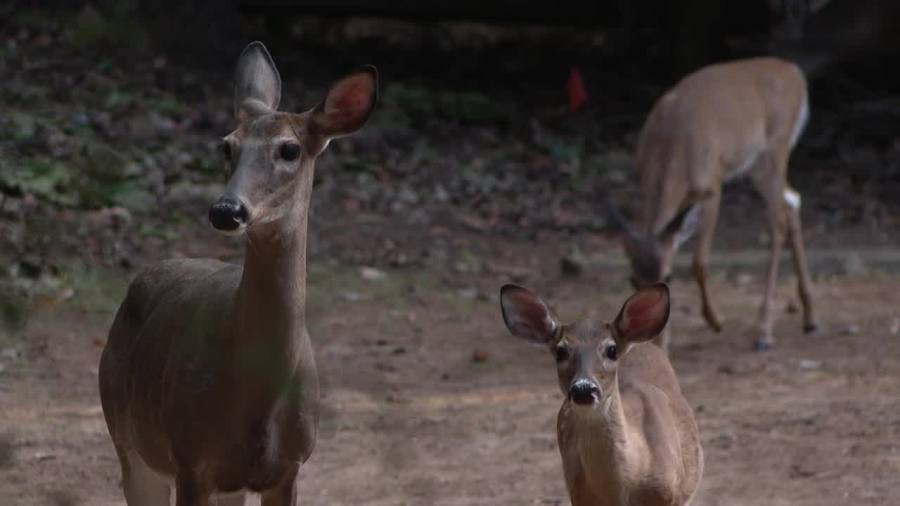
(208, 379)
(626, 434)
(719, 123)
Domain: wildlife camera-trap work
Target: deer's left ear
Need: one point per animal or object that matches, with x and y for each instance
(348, 104)
(644, 315)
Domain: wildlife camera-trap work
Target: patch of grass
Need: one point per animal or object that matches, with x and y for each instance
(410, 104)
(159, 230)
(14, 308)
(132, 195)
(97, 289)
(469, 259)
(169, 106)
(118, 29)
(118, 100)
(46, 179)
(98, 176)
(208, 167)
(109, 177)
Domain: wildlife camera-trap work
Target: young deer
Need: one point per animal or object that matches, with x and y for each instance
(626, 434)
(718, 123)
(208, 378)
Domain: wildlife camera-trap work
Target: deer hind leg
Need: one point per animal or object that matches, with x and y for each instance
(189, 490)
(770, 183)
(709, 216)
(142, 485)
(798, 254)
(285, 493)
(232, 499)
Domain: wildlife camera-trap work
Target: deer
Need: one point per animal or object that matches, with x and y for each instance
(724, 121)
(208, 381)
(626, 434)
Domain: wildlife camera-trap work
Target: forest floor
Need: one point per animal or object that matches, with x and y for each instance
(428, 400)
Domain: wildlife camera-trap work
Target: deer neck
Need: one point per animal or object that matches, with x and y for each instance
(604, 444)
(270, 306)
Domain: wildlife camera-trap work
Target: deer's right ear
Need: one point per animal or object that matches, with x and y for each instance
(527, 316)
(257, 84)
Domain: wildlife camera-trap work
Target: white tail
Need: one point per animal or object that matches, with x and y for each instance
(208, 379)
(626, 434)
(719, 123)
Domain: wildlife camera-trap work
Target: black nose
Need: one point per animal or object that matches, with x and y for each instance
(227, 214)
(584, 392)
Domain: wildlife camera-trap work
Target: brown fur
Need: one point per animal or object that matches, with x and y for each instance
(716, 124)
(647, 452)
(208, 378)
(637, 443)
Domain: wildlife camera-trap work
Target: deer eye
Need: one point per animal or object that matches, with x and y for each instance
(289, 151)
(611, 352)
(226, 150)
(562, 353)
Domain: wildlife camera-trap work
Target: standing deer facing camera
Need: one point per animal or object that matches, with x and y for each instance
(208, 379)
(719, 123)
(626, 434)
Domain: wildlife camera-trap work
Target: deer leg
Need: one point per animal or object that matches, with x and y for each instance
(710, 213)
(142, 486)
(798, 254)
(766, 319)
(285, 493)
(189, 491)
(770, 182)
(232, 499)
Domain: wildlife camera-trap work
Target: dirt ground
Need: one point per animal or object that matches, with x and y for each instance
(428, 400)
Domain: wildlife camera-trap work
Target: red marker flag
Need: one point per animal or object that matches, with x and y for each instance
(575, 90)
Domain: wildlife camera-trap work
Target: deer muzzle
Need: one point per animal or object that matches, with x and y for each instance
(228, 214)
(584, 392)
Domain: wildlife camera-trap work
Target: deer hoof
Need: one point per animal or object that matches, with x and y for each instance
(763, 344)
(712, 319)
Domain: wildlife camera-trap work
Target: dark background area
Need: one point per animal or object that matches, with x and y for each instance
(119, 105)
(110, 115)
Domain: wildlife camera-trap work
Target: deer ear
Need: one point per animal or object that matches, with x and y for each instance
(257, 83)
(526, 316)
(348, 104)
(644, 315)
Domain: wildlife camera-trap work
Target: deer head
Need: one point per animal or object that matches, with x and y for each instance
(271, 154)
(652, 255)
(587, 352)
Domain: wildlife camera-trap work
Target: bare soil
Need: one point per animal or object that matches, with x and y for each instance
(428, 400)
